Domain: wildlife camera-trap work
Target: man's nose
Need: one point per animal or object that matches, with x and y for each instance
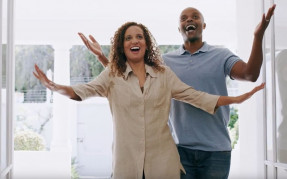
(189, 19)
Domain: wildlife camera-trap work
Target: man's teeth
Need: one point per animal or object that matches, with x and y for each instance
(190, 27)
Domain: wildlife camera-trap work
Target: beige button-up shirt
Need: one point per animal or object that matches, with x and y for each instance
(142, 140)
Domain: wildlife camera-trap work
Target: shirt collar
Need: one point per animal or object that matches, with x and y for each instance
(128, 70)
(203, 49)
(149, 70)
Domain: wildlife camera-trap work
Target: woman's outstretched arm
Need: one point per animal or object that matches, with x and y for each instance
(62, 89)
(226, 100)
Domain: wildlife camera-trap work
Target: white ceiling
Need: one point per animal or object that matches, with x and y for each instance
(50, 21)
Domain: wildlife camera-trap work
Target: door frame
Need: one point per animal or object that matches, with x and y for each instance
(7, 171)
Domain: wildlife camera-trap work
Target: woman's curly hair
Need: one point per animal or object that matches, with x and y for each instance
(118, 58)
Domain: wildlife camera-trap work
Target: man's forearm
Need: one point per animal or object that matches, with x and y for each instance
(255, 60)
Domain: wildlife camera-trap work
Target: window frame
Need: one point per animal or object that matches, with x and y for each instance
(7, 172)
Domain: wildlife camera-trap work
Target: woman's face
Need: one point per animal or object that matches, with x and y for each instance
(134, 44)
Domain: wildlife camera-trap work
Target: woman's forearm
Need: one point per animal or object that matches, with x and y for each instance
(226, 100)
(103, 59)
(66, 91)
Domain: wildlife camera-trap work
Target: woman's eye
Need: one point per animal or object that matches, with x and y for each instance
(128, 38)
(140, 37)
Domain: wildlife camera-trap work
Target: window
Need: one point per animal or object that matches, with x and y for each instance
(6, 86)
(275, 105)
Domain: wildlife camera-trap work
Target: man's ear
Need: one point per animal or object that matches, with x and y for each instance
(178, 29)
(204, 25)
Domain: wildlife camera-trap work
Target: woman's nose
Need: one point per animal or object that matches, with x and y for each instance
(135, 41)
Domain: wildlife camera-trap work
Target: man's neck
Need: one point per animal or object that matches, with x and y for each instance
(193, 46)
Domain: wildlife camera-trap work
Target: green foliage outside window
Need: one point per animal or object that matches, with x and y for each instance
(25, 58)
(74, 171)
(84, 65)
(233, 126)
(167, 48)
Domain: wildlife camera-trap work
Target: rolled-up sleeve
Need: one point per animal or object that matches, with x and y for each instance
(97, 87)
(182, 92)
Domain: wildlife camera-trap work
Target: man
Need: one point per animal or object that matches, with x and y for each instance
(202, 139)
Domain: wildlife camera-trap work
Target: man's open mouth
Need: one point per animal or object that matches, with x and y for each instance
(190, 27)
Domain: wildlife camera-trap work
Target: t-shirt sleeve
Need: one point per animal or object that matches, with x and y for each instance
(97, 87)
(231, 59)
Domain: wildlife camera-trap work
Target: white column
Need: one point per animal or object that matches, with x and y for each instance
(55, 163)
(251, 147)
(61, 119)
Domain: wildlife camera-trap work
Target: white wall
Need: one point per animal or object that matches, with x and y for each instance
(42, 165)
(58, 21)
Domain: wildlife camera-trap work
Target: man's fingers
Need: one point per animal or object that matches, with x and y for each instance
(270, 12)
(264, 20)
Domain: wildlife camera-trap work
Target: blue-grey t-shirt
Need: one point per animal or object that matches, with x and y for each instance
(204, 70)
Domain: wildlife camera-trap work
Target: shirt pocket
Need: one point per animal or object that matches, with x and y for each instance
(160, 97)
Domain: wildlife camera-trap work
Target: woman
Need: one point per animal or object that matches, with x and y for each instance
(139, 90)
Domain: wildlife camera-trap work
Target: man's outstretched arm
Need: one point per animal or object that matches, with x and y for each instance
(250, 71)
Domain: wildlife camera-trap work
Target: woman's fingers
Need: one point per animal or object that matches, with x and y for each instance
(258, 88)
(247, 95)
(92, 39)
(36, 75)
(85, 40)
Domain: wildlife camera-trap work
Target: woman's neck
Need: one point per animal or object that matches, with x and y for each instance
(139, 71)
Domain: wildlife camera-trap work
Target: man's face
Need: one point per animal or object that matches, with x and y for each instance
(191, 25)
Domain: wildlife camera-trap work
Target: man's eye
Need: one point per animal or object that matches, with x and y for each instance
(183, 19)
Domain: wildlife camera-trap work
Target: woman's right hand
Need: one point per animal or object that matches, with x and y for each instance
(40, 75)
(62, 89)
